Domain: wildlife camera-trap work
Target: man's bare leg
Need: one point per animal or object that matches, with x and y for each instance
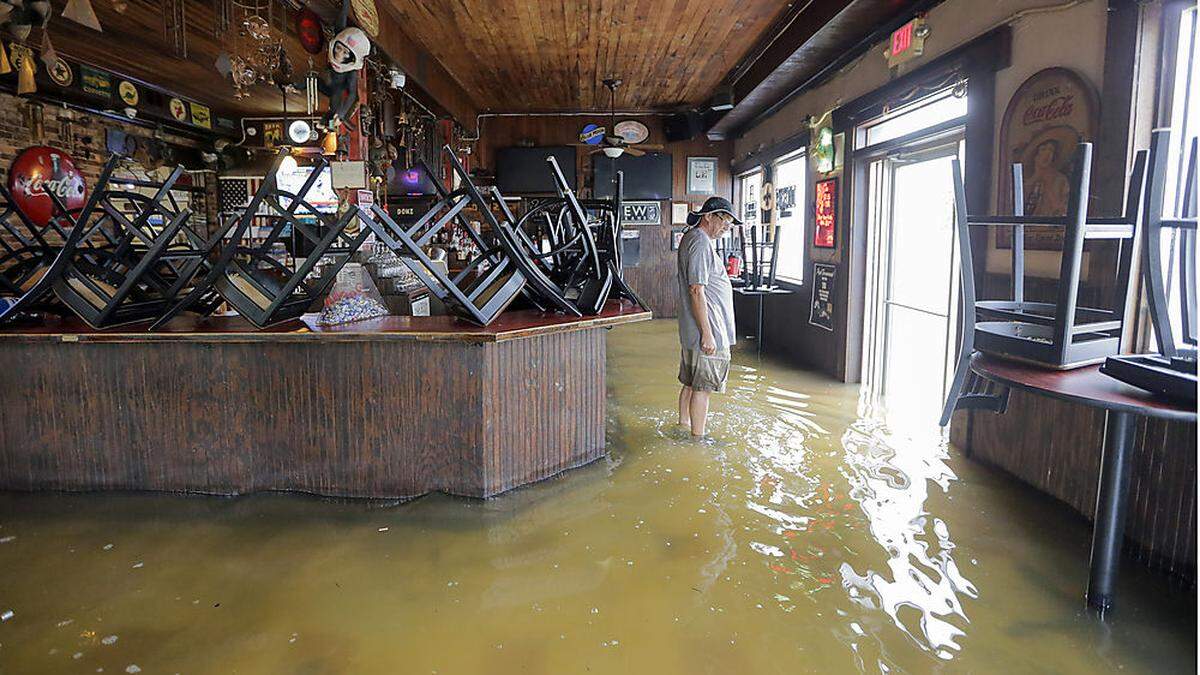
(685, 397)
(698, 409)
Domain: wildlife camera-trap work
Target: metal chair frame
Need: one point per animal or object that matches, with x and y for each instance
(1056, 335)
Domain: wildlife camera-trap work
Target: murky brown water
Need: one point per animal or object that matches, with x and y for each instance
(804, 540)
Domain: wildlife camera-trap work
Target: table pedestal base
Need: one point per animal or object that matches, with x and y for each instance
(1109, 528)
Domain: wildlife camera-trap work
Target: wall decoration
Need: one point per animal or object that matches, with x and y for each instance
(201, 115)
(823, 149)
(310, 31)
(81, 12)
(1048, 115)
(677, 237)
(702, 175)
(825, 205)
(366, 15)
(820, 313)
(61, 72)
(95, 82)
(785, 200)
(272, 134)
(41, 170)
(641, 213)
(25, 65)
(128, 93)
(679, 213)
(178, 110)
(592, 134)
(632, 131)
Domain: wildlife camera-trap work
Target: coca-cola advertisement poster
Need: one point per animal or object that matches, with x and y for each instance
(40, 170)
(1052, 112)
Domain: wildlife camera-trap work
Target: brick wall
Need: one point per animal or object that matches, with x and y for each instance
(84, 141)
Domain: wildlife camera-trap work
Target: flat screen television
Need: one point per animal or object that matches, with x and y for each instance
(526, 171)
(646, 177)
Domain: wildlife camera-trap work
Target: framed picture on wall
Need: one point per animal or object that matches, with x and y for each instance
(825, 205)
(702, 175)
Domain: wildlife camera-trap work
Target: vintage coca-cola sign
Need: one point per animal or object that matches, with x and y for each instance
(37, 173)
(1049, 115)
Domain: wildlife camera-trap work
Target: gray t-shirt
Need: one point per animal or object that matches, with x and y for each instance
(699, 264)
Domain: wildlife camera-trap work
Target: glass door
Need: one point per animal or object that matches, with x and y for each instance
(912, 284)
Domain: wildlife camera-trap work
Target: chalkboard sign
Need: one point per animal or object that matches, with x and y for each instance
(821, 312)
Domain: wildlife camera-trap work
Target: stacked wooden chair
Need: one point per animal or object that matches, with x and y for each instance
(491, 280)
(1059, 335)
(27, 252)
(123, 258)
(242, 267)
(1171, 371)
(577, 243)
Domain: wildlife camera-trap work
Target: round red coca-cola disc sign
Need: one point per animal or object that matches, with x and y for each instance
(41, 170)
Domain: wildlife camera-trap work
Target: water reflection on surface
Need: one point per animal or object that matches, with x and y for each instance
(805, 537)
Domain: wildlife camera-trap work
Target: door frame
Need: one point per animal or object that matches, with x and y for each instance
(944, 141)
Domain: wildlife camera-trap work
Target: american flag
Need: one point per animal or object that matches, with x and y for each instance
(235, 196)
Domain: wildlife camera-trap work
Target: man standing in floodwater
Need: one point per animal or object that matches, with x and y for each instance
(706, 331)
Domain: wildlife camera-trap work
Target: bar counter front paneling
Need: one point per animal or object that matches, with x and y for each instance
(390, 408)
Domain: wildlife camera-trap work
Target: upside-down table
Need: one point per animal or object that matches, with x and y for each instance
(388, 408)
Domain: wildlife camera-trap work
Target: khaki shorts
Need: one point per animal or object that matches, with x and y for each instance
(703, 373)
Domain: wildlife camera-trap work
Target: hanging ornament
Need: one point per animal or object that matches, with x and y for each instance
(223, 64)
(81, 12)
(49, 56)
(348, 51)
(5, 66)
(311, 89)
(310, 31)
(24, 63)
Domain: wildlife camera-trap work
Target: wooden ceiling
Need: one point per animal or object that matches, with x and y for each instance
(550, 55)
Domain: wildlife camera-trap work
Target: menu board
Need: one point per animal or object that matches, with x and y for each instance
(821, 310)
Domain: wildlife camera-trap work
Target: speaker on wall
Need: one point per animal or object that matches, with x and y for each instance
(683, 126)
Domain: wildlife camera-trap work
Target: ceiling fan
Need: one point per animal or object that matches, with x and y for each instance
(613, 144)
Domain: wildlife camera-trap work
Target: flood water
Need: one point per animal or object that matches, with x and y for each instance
(803, 538)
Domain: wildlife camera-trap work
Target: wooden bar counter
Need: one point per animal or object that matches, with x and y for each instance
(389, 408)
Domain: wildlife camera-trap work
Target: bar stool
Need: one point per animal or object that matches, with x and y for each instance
(1060, 335)
(1172, 371)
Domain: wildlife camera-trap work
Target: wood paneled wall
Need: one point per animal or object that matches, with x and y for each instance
(654, 276)
(1055, 446)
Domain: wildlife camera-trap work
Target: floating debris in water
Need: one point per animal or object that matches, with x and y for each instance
(108, 547)
(5, 540)
(77, 655)
(132, 668)
(6, 615)
(138, 564)
(109, 640)
(294, 637)
(65, 622)
(383, 529)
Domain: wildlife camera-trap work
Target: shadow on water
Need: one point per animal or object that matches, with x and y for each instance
(806, 536)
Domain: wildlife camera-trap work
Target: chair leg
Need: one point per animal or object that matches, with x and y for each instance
(961, 370)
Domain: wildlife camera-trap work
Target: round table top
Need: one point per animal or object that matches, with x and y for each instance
(1087, 386)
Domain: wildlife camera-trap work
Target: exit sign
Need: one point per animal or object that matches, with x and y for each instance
(908, 42)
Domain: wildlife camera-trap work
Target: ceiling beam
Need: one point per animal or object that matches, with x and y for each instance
(797, 58)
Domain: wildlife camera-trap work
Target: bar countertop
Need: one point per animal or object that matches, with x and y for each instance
(509, 326)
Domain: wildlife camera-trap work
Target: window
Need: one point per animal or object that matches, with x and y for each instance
(1181, 69)
(791, 175)
(934, 109)
(748, 187)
